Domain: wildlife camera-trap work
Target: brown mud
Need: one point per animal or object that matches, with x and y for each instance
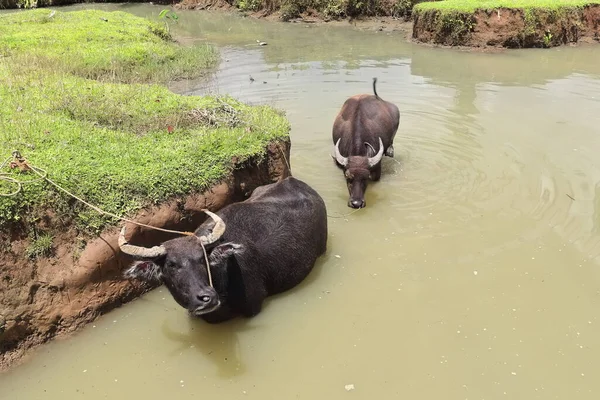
(383, 23)
(53, 296)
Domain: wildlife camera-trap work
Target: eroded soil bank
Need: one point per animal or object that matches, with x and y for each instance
(490, 28)
(501, 27)
(512, 28)
(52, 296)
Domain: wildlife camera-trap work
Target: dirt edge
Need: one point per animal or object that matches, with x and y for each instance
(486, 30)
(508, 27)
(52, 297)
(482, 30)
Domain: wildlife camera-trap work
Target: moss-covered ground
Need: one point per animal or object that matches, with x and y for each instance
(82, 96)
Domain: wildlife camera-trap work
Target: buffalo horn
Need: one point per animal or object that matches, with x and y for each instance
(138, 251)
(377, 157)
(343, 161)
(217, 231)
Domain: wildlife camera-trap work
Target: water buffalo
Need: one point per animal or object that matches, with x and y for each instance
(363, 131)
(262, 246)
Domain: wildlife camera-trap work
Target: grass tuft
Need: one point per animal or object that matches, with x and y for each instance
(41, 246)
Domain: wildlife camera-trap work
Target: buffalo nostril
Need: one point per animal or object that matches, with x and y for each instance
(357, 203)
(203, 298)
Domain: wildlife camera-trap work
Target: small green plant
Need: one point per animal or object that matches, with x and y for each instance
(27, 4)
(249, 5)
(40, 246)
(168, 15)
(547, 39)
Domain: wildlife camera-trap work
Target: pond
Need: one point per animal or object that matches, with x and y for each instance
(473, 272)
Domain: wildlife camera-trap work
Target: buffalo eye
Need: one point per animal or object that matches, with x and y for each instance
(205, 299)
(171, 265)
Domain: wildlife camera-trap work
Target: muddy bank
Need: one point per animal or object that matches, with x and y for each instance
(489, 28)
(52, 296)
(511, 28)
(387, 17)
(502, 27)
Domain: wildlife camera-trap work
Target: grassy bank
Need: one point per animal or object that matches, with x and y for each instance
(473, 5)
(510, 23)
(83, 98)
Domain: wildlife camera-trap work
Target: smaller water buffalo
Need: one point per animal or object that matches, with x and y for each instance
(363, 132)
(262, 246)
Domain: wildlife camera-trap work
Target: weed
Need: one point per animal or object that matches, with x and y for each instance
(41, 246)
(530, 22)
(547, 39)
(249, 5)
(167, 15)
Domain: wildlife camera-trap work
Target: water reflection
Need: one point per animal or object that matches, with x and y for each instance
(217, 343)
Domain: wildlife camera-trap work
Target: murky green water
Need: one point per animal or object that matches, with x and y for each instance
(473, 273)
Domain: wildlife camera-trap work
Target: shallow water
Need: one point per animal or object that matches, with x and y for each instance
(472, 273)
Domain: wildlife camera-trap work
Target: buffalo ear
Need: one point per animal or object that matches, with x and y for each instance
(143, 270)
(223, 251)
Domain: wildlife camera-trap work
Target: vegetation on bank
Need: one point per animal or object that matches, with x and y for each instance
(472, 5)
(354, 8)
(328, 9)
(83, 97)
(538, 23)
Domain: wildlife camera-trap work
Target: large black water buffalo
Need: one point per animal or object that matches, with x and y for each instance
(264, 245)
(363, 131)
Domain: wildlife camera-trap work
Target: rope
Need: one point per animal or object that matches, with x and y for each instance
(344, 215)
(285, 159)
(17, 163)
(210, 281)
(98, 209)
(12, 180)
(24, 165)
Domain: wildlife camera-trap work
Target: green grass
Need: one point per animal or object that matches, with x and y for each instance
(120, 146)
(94, 44)
(472, 5)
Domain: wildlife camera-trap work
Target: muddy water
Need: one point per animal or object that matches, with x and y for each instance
(473, 273)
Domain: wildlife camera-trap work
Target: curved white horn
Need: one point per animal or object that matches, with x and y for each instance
(377, 157)
(343, 161)
(138, 251)
(217, 231)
